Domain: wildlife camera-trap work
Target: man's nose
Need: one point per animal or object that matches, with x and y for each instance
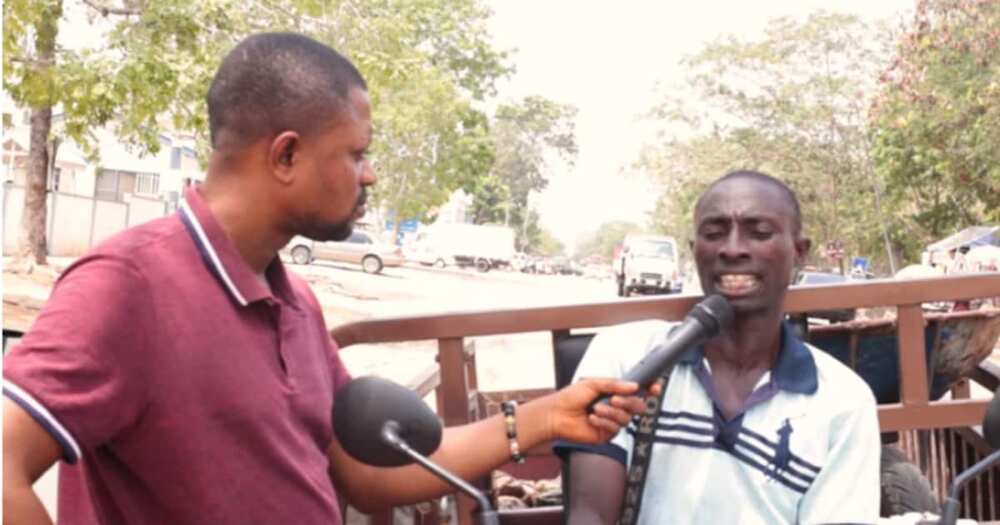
(368, 174)
(734, 245)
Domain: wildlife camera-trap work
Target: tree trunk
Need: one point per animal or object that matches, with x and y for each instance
(31, 242)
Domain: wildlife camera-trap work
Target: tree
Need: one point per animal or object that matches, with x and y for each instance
(602, 242)
(937, 117)
(537, 240)
(154, 62)
(793, 104)
(527, 135)
(426, 63)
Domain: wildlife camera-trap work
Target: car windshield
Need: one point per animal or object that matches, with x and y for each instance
(654, 249)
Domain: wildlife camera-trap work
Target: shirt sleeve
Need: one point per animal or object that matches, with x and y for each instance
(78, 370)
(847, 488)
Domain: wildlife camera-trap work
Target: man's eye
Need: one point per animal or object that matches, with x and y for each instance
(712, 235)
(763, 234)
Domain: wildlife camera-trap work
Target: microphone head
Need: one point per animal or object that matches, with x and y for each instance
(991, 421)
(714, 312)
(361, 410)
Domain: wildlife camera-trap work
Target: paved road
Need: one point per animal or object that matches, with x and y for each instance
(504, 362)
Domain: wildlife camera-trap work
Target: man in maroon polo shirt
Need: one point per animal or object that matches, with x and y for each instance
(183, 376)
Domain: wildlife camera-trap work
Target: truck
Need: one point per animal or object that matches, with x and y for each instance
(647, 264)
(483, 246)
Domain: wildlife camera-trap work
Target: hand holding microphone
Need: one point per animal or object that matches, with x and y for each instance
(706, 320)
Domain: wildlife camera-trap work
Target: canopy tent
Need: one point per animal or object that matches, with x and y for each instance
(971, 236)
(939, 252)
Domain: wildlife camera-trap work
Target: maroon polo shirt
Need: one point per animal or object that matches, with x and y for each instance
(182, 389)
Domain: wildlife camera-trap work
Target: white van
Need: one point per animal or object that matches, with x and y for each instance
(648, 264)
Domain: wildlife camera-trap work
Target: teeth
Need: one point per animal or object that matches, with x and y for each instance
(737, 281)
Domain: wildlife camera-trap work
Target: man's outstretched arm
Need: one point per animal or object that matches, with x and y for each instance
(472, 450)
(28, 451)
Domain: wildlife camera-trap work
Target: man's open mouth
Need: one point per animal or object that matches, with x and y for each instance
(737, 284)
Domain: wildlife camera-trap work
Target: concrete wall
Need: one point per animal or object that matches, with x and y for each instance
(76, 223)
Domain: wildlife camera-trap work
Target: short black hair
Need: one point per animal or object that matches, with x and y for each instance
(766, 179)
(272, 82)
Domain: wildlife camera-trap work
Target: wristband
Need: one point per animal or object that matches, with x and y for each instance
(509, 407)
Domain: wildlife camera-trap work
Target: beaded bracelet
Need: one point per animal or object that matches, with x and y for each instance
(509, 408)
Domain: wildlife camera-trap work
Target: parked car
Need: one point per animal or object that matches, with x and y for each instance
(819, 278)
(360, 248)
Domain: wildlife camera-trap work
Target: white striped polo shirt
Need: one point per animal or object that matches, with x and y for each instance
(803, 449)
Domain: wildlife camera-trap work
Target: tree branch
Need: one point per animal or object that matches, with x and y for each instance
(109, 10)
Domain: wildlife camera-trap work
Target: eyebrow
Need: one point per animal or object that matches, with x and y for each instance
(725, 219)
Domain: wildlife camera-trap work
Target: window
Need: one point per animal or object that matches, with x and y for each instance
(359, 238)
(147, 183)
(54, 181)
(175, 158)
(112, 184)
(106, 187)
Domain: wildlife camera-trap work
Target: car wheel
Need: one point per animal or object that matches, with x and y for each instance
(482, 265)
(301, 255)
(371, 264)
(439, 263)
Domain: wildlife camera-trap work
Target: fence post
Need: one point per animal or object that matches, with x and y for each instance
(93, 222)
(49, 244)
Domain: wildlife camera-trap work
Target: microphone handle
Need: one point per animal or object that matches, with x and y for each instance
(662, 357)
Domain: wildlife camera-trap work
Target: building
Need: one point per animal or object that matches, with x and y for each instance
(90, 198)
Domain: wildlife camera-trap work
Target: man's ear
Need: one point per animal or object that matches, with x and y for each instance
(802, 246)
(284, 154)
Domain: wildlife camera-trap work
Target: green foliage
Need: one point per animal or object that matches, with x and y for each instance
(601, 243)
(527, 136)
(792, 104)
(937, 119)
(536, 240)
(426, 64)
(155, 63)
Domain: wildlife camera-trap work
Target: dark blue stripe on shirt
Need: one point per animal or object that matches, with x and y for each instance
(68, 454)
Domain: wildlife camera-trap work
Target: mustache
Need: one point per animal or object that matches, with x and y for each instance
(362, 199)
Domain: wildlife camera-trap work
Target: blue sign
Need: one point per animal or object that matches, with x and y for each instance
(861, 262)
(405, 226)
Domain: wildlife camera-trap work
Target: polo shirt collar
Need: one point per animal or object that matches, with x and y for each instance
(221, 257)
(794, 371)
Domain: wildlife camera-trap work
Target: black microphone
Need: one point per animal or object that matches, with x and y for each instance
(384, 424)
(703, 322)
(363, 406)
(706, 320)
(991, 431)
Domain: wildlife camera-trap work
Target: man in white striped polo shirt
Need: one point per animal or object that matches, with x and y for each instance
(756, 426)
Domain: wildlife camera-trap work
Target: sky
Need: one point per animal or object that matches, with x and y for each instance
(607, 59)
